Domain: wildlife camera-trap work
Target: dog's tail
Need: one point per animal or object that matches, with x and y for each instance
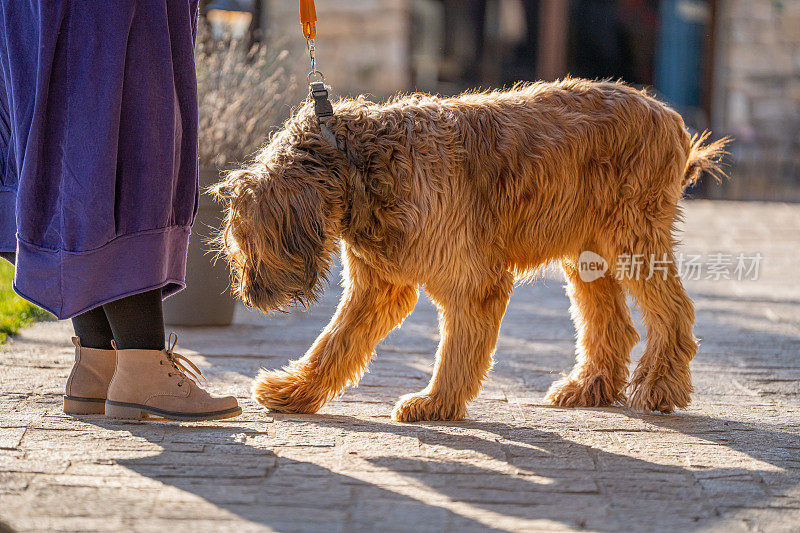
(705, 158)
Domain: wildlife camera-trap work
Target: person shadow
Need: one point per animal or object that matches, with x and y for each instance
(465, 476)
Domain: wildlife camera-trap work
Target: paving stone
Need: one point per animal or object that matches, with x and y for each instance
(731, 462)
(10, 438)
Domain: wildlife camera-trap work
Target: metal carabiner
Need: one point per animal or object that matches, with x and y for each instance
(314, 71)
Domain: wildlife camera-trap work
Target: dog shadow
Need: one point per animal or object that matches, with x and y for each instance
(588, 485)
(494, 478)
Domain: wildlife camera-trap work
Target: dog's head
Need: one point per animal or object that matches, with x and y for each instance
(282, 219)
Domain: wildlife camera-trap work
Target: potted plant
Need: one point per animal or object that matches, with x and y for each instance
(242, 95)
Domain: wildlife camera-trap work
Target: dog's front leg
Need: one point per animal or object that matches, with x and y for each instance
(369, 309)
(470, 324)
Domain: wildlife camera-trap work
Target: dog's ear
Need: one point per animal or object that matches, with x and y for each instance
(303, 235)
(244, 235)
(274, 238)
(289, 258)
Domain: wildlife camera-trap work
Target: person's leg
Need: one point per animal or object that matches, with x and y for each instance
(95, 360)
(149, 379)
(137, 321)
(93, 329)
(133, 322)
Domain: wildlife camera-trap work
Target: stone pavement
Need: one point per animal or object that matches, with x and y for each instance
(729, 463)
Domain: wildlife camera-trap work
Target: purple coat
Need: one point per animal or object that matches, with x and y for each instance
(98, 147)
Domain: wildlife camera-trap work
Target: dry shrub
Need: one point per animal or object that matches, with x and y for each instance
(243, 93)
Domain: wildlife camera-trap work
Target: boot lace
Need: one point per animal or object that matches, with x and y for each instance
(179, 362)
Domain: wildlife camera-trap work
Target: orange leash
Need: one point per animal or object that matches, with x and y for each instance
(316, 81)
(308, 18)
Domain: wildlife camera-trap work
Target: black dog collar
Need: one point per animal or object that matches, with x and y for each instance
(323, 109)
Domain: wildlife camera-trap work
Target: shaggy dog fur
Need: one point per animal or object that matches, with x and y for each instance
(464, 195)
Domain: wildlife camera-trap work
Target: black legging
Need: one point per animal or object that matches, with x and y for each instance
(132, 322)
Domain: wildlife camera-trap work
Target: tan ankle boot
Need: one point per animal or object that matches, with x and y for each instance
(157, 382)
(88, 382)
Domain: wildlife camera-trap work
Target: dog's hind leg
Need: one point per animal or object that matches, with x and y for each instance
(369, 309)
(606, 336)
(470, 323)
(662, 380)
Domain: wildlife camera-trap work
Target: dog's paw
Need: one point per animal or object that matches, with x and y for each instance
(653, 392)
(425, 406)
(287, 392)
(597, 391)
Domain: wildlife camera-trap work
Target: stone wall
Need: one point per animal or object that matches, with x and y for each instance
(362, 46)
(757, 96)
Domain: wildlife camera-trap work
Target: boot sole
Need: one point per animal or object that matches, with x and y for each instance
(75, 405)
(135, 411)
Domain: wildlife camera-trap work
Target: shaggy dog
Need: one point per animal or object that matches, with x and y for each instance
(465, 195)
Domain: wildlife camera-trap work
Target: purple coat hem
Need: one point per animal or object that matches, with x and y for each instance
(93, 278)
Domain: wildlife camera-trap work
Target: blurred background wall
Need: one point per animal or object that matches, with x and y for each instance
(729, 65)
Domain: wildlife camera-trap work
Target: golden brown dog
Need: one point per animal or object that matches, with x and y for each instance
(464, 195)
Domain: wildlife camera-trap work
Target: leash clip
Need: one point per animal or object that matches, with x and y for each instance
(323, 108)
(314, 71)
